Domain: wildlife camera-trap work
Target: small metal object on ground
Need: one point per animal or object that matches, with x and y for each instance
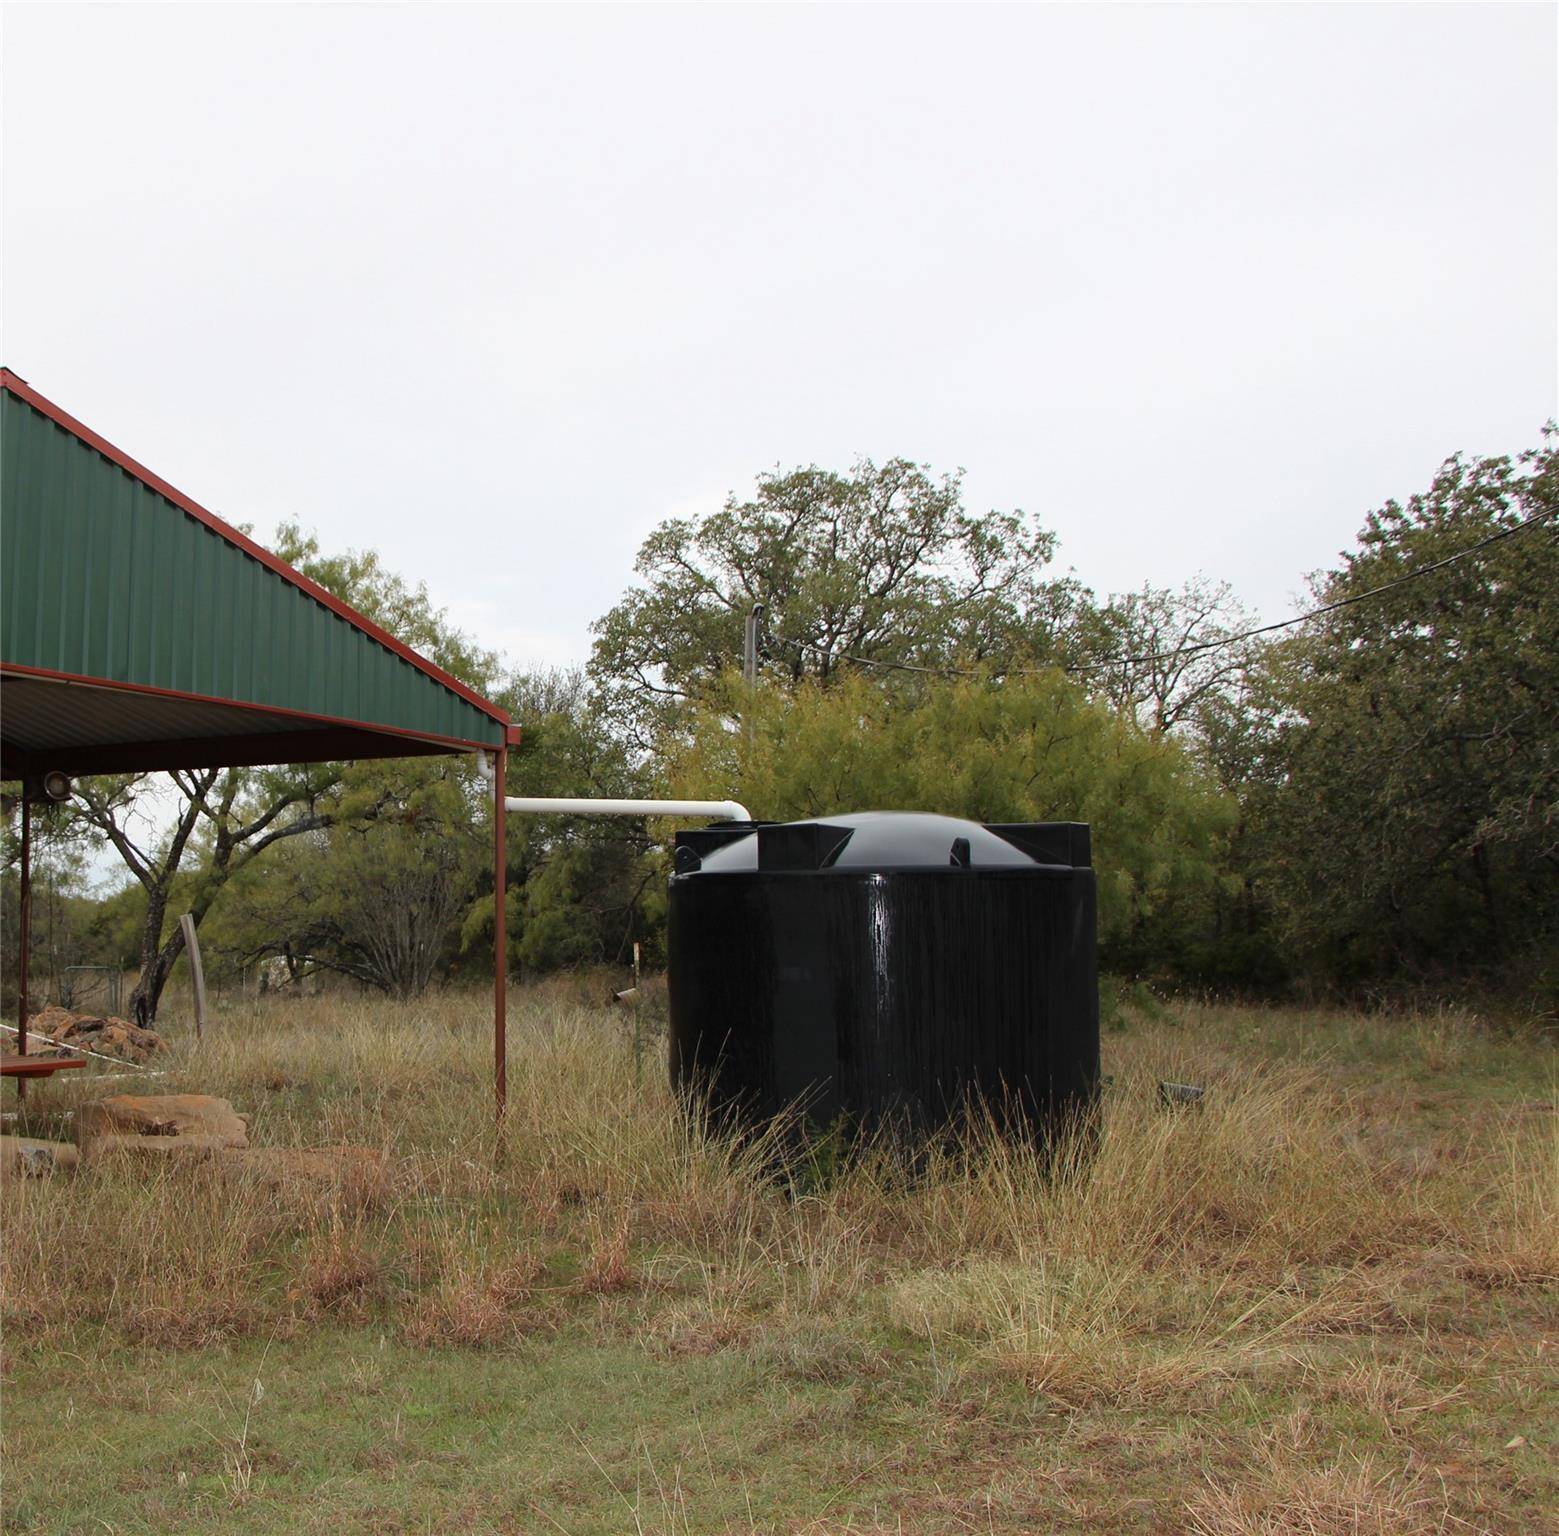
(1178, 1095)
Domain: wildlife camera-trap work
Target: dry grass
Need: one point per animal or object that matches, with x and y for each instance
(1297, 1238)
(1262, 1211)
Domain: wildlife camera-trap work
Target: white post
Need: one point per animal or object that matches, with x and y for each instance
(196, 971)
(547, 805)
(553, 805)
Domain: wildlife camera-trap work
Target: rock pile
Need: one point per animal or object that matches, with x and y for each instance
(111, 1036)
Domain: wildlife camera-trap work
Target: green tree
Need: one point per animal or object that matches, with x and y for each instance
(1408, 786)
(883, 563)
(590, 899)
(231, 816)
(1179, 656)
(1033, 747)
(376, 892)
(584, 884)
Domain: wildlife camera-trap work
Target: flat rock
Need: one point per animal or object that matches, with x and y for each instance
(21, 1156)
(170, 1116)
(193, 1148)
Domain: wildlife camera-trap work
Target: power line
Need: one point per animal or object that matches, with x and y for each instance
(1205, 645)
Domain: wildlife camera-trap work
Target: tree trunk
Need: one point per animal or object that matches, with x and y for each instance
(157, 961)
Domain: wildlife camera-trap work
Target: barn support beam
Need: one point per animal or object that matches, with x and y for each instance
(23, 935)
(500, 938)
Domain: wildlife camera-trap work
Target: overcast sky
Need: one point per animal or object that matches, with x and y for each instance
(495, 290)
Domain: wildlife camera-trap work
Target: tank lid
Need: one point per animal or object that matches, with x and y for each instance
(881, 840)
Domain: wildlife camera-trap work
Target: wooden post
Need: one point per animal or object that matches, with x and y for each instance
(500, 938)
(638, 1038)
(24, 936)
(196, 970)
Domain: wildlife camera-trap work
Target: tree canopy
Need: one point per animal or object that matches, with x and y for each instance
(1033, 747)
(883, 563)
(1411, 825)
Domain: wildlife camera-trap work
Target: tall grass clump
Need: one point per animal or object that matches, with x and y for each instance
(1162, 1251)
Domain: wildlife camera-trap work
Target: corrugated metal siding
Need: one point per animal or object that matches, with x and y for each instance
(103, 577)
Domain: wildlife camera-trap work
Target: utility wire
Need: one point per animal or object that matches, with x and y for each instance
(1205, 645)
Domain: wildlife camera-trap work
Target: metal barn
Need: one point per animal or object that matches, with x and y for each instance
(138, 631)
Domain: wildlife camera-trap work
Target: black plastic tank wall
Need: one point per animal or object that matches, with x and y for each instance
(886, 967)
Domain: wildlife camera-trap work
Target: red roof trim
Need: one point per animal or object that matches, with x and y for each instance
(24, 391)
(47, 674)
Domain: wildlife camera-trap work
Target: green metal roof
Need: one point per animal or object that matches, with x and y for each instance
(134, 623)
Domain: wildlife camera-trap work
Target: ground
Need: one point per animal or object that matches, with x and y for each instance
(1324, 1301)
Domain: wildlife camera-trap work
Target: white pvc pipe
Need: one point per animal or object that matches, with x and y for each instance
(725, 810)
(547, 805)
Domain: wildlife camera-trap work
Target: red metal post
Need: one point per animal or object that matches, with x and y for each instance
(500, 938)
(24, 935)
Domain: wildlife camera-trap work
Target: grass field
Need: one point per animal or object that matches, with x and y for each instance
(1323, 1302)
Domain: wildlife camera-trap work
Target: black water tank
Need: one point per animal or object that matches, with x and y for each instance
(886, 967)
